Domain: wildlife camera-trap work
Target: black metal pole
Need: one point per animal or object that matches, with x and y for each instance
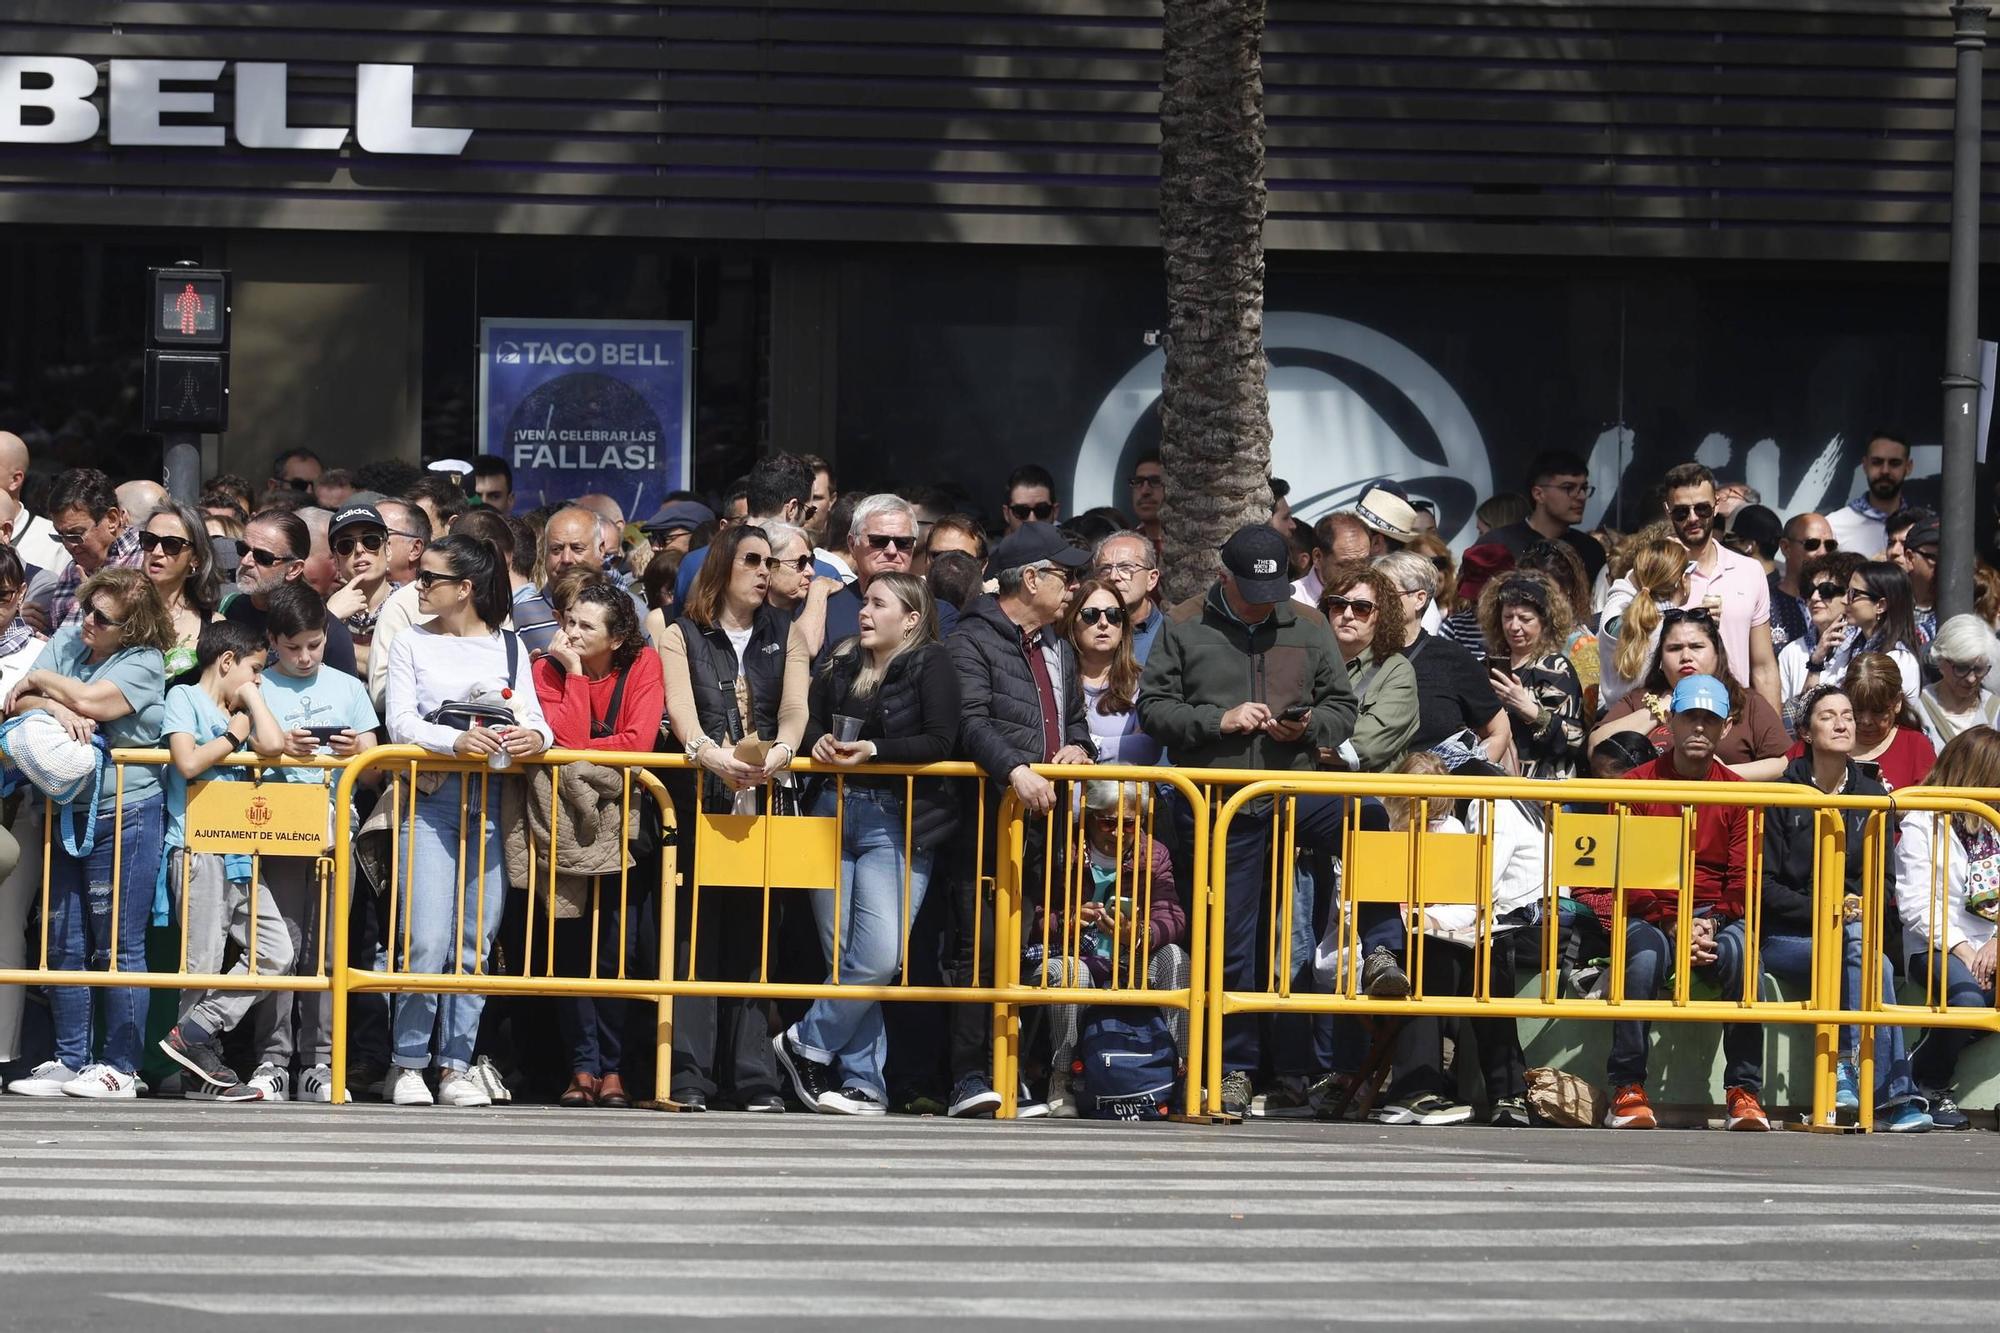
(183, 466)
(1961, 372)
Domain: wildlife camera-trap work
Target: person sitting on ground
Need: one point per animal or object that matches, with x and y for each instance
(1962, 652)
(1690, 645)
(1948, 920)
(1526, 618)
(1791, 848)
(1701, 706)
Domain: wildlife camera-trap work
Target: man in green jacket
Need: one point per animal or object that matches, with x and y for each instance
(1245, 678)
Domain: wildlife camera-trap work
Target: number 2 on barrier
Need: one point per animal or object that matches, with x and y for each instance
(1600, 851)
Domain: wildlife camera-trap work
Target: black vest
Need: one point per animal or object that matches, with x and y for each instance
(712, 672)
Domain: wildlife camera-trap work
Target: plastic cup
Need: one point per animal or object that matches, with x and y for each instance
(846, 730)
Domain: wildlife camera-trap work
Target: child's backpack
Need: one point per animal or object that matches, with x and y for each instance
(1129, 1064)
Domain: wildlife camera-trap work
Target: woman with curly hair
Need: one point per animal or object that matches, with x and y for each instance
(1564, 567)
(1526, 619)
(1365, 609)
(1752, 746)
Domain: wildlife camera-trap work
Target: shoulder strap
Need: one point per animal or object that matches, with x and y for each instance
(609, 723)
(513, 643)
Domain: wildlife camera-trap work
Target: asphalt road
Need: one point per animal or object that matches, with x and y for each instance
(172, 1216)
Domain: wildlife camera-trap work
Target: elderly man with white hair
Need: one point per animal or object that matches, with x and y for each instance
(881, 537)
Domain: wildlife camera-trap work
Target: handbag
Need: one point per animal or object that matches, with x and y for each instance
(465, 714)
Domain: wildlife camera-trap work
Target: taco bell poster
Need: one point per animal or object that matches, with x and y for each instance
(580, 407)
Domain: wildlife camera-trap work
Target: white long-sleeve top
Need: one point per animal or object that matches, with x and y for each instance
(1914, 890)
(427, 669)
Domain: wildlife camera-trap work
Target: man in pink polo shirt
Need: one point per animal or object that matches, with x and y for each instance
(1732, 586)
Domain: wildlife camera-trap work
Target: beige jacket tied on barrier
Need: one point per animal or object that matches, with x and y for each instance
(590, 840)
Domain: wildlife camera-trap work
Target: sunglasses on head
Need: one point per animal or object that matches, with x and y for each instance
(1360, 606)
(367, 541)
(1681, 513)
(1814, 545)
(1674, 615)
(155, 541)
(1829, 591)
(1110, 615)
(267, 558)
(1041, 513)
(882, 542)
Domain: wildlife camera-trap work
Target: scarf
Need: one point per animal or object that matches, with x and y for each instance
(16, 637)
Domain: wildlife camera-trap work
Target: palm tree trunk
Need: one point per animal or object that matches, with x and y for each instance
(1215, 415)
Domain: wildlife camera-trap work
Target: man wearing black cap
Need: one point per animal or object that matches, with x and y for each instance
(1244, 677)
(1022, 699)
(1920, 557)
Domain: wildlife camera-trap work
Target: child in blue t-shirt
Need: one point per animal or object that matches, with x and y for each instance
(321, 710)
(213, 892)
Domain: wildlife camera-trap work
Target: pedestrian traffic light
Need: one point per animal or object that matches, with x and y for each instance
(187, 350)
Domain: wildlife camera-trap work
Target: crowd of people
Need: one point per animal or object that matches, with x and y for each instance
(327, 611)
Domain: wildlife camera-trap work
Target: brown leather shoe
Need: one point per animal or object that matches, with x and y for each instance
(611, 1093)
(582, 1091)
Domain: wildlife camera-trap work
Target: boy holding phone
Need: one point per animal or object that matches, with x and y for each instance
(322, 711)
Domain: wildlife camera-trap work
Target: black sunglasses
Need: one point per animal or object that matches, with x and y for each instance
(428, 578)
(1813, 545)
(100, 618)
(1360, 606)
(1703, 510)
(1110, 615)
(882, 543)
(267, 558)
(1040, 513)
(1674, 615)
(367, 541)
(1829, 591)
(155, 541)
(298, 483)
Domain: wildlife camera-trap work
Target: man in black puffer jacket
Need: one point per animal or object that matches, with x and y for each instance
(1022, 696)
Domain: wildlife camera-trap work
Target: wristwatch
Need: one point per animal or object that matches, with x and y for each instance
(694, 748)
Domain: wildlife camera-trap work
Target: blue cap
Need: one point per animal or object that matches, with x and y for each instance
(1704, 693)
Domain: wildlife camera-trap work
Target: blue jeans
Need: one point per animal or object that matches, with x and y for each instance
(849, 1034)
(429, 907)
(1647, 950)
(1936, 1056)
(1790, 957)
(80, 929)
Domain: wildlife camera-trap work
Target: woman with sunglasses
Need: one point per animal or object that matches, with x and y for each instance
(1881, 611)
(1526, 618)
(1365, 609)
(1752, 745)
(359, 537)
(1823, 585)
(1963, 654)
(103, 674)
(1565, 569)
(1095, 626)
(793, 588)
(737, 669)
(460, 655)
(181, 565)
(896, 681)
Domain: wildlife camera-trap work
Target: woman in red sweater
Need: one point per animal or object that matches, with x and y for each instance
(600, 689)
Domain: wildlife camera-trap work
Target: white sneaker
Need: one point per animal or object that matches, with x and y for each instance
(461, 1087)
(407, 1088)
(487, 1076)
(101, 1082)
(316, 1085)
(271, 1083)
(44, 1080)
(1062, 1103)
(851, 1100)
(1027, 1108)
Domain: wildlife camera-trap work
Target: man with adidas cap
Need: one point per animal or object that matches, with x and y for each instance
(1244, 677)
(1721, 862)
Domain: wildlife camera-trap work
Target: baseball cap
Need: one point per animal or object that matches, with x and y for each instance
(355, 516)
(1260, 559)
(1924, 533)
(1034, 543)
(1387, 513)
(1757, 524)
(1701, 693)
(679, 516)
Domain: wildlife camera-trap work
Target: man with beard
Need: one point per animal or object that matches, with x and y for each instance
(1859, 525)
(1730, 587)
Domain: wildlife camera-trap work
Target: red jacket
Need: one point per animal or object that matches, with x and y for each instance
(568, 701)
(1721, 853)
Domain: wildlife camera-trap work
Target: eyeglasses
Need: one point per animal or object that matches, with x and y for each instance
(1582, 489)
(428, 578)
(1861, 594)
(1681, 513)
(1124, 569)
(1139, 481)
(1110, 615)
(1674, 615)
(1361, 607)
(882, 541)
(367, 541)
(73, 536)
(1828, 591)
(1041, 513)
(1968, 670)
(267, 558)
(156, 541)
(12, 595)
(97, 617)
(1814, 545)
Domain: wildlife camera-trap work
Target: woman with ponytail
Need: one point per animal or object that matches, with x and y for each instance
(461, 655)
(1632, 612)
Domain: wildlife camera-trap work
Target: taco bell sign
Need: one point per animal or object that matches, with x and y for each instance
(47, 100)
